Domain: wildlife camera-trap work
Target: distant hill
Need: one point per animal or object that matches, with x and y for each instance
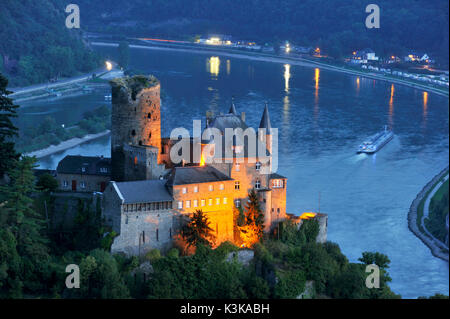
(35, 45)
(336, 26)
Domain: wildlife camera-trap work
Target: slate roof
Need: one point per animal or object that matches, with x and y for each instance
(277, 176)
(195, 174)
(92, 165)
(265, 120)
(229, 120)
(147, 191)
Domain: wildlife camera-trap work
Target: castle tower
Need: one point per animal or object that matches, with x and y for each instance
(265, 124)
(135, 119)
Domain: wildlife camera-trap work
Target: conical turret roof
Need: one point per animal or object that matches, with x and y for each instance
(265, 120)
(232, 108)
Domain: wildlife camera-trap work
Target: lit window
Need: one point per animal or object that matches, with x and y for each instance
(237, 185)
(218, 201)
(258, 166)
(188, 204)
(258, 184)
(277, 183)
(237, 167)
(222, 187)
(180, 205)
(225, 200)
(237, 203)
(202, 202)
(184, 190)
(195, 203)
(83, 184)
(210, 201)
(211, 188)
(195, 189)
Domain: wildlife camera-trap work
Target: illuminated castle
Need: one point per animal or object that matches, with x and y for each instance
(150, 197)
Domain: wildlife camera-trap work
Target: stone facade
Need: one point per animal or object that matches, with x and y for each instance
(140, 226)
(215, 199)
(82, 182)
(135, 119)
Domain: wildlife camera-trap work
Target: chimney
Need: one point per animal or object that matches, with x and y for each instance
(243, 116)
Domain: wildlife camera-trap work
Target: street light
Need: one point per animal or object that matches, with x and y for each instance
(108, 65)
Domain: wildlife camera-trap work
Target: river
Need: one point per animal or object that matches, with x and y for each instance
(321, 116)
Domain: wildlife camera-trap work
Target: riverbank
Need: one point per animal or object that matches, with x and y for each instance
(257, 56)
(435, 246)
(68, 87)
(66, 144)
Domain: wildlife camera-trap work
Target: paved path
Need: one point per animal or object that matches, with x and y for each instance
(36, 87)
(426, 210)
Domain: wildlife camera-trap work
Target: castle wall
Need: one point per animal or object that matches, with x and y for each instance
(220, 215)
(246, 174)
(135, 119)
(278, 210)
(92, 183)
(141, 163)
(145, 230)
(141, 227)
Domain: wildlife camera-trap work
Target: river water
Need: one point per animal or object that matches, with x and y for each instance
(321, 116)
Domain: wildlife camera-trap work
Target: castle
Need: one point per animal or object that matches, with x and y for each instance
(149, 196)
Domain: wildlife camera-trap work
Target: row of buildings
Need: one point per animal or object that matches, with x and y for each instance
(146, 197)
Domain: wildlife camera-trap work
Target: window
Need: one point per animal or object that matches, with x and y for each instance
(202, 202)
(258, 166)
(222, 187)
(195, 202)
(83, 169)
(237, 167)
(157, 234)
(217, 200)
(211, 188)
(237, 185)
(277, 183)
(65, 184)
(188, 204)
(103, 170)
(180, 205)
(210, 201)
(258, 184)
(184, 190)
(225, 200)
(143, 236)
(237, 203)
(278, 210)
(195, 189)
(83, 184)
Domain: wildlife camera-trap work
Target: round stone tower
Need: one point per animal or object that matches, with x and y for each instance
(135, 118)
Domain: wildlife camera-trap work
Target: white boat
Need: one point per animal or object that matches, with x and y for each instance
(375, 142)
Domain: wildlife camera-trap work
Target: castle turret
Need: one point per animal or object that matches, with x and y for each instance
(265, 124)
(232, 108)
(135, 119)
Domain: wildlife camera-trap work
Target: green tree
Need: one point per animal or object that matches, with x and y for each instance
(7, 129)
(27, 226)
(197, 231)
(253, 214)
(100, 277)
(47, 183)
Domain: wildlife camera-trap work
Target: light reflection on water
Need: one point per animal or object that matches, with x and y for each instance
(366, 197)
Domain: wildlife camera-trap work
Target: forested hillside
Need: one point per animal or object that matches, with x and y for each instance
(335, 26)
(35, 45)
